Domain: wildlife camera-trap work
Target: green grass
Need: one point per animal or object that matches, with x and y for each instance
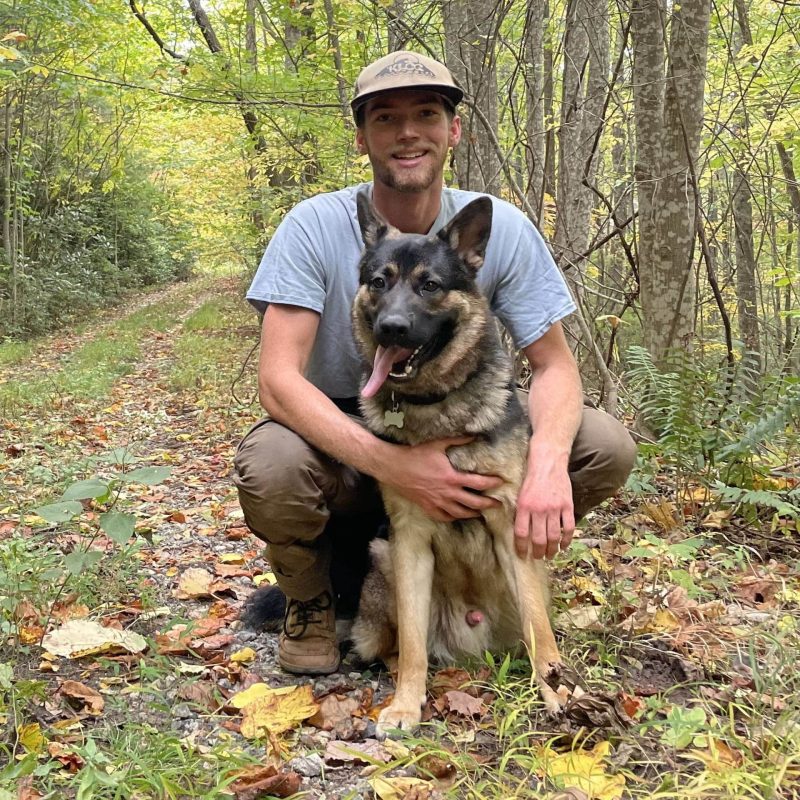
(12, 352)
(90, 370)
(126, 761)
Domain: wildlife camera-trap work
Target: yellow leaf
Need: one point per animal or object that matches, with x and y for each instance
(231, 558)
(663, 621)
(244, 656)
(278, 712)
(589, 586)
(400, 788)
(584, 770)
(31, 737)
(243, 698)
(663, 513)
(266, 577)
(9, 53)
(600, 560)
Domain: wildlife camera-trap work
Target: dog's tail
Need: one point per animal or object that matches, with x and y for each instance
(264, 609)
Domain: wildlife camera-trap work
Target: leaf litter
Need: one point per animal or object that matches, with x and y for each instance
(682, 619)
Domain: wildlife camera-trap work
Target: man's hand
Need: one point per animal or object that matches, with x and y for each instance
(545, 518)
(423, 474)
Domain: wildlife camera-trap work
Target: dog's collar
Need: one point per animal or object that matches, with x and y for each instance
(420, 399)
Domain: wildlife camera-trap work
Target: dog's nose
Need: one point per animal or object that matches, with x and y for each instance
(393, 327)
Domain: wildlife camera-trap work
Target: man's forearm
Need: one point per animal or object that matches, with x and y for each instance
(299, 405)
(556, 409)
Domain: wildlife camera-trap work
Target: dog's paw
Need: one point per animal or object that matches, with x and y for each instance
(397, 717)
(554, 694)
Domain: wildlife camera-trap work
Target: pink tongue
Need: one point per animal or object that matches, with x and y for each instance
(385, 357)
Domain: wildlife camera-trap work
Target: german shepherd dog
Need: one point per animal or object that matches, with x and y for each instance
(439, 370)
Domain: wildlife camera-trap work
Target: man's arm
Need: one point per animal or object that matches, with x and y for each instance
(545, 517)
(423, 473)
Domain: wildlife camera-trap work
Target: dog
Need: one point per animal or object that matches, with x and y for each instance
(439, 370)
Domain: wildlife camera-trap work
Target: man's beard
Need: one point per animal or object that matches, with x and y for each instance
(417, 181)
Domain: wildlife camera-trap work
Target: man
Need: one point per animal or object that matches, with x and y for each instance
(306, 475)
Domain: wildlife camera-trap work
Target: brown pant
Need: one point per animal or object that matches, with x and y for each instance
(299, 500)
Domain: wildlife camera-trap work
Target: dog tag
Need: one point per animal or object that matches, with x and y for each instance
(393, 419)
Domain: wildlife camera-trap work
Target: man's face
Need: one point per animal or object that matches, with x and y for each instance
(406, 135)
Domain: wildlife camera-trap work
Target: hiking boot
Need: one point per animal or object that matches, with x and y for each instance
(308, 645)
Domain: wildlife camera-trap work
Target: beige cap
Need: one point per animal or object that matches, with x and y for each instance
(404, 70)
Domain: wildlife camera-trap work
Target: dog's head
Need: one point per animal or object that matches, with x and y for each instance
(416, 292)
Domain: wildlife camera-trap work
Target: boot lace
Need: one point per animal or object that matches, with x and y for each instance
(303, 613)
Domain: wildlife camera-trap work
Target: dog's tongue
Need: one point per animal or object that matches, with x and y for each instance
(385, 357)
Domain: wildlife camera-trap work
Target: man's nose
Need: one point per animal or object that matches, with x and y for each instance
(407, 129)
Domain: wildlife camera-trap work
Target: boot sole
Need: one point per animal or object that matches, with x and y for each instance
(298, 670)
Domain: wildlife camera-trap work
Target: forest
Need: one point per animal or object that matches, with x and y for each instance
(150, 149)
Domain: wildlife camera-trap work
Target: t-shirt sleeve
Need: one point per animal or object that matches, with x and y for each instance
(292, 268)
(531, 293)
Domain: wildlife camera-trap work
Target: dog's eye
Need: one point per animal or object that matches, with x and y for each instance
(430, 286)
(377, 282)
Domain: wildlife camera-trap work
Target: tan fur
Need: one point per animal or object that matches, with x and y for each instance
(430, 574)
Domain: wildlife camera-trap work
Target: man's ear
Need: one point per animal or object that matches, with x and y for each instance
(373, 226)
(361, 144)
(468, 232)
(454, 134)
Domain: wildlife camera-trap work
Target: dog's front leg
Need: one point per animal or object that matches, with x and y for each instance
(412, 559)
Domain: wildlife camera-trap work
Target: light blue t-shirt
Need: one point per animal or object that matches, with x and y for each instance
(312, 262)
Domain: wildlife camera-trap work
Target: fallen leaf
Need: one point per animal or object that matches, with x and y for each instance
(25, 790)
(718, 756)
(83, 637)
(584, 618)
(336, 714)
(588, 587)
(664, 514)
(370, 751)
(231, 558)
(31, 737)
(85, 696)
(69, 758)
(277, 712)
(582, 769)
(244, 656)
(400, 788)
(461, 703)
(194, 583)
(256, 782)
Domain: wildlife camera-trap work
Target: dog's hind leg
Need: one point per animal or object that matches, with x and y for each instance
(412, 559)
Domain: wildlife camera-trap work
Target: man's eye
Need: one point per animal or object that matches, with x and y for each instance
(377, 283)
(430, 286)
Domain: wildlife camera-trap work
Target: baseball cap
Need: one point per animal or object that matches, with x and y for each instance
(404, 70)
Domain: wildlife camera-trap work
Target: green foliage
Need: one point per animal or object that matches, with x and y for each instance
(89, 254)
(730, 431)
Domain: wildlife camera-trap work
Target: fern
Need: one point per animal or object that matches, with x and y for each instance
(718, 426)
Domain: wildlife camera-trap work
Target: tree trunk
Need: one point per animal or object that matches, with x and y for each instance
(585, 81)
(535, 21)
(668, 138)
(469, 53)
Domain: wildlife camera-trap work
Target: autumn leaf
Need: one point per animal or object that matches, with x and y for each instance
(83, 696)
(370, 751)
(277, 712)
(31, 737)
(82, 637)
(256, 782)
(244, 656)
(194, 583)
(464, 704)
(583, 769)
(400, 788)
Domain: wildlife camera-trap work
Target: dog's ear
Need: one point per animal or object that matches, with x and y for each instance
(468, 232)
(373, 226)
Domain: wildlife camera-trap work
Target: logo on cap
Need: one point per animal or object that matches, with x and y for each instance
(405, 66)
